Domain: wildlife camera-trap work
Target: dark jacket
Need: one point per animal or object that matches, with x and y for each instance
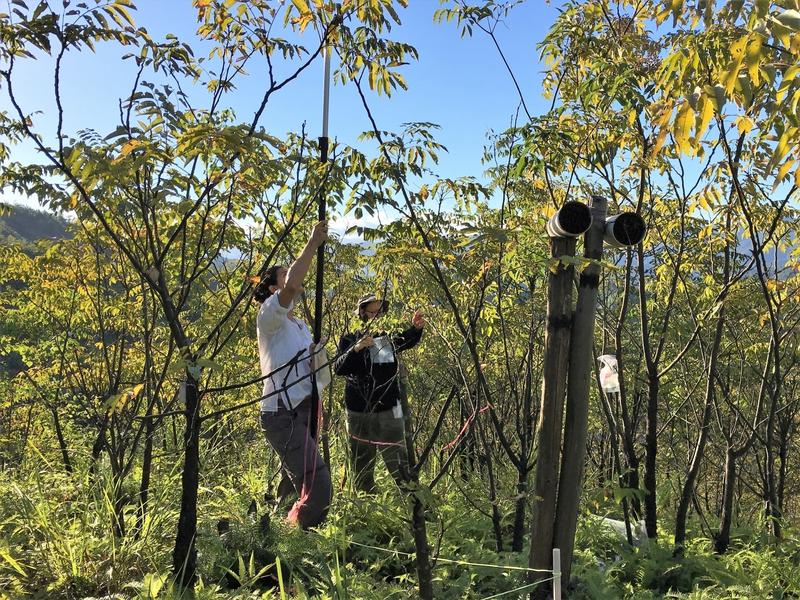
(371, 387)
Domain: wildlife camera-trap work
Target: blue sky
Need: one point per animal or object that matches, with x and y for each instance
(459, 83)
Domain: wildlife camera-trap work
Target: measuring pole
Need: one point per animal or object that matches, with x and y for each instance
(322, 210)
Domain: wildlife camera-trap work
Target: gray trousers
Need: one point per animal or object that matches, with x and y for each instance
(373, 433)
(287, 432)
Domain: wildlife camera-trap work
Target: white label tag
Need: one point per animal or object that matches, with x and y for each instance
(323, 371)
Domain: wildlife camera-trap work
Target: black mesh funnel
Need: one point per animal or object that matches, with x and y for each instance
(625, 229)
(571, 220)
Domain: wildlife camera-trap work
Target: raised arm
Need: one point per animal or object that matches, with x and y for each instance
(299, 268)
(411, 336)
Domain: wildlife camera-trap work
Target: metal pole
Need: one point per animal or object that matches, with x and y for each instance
(322, 210)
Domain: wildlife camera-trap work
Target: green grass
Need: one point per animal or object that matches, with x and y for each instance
(57, 543)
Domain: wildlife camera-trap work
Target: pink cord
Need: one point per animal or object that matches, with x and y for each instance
(464, 429)
(305, 490)
(374, 443)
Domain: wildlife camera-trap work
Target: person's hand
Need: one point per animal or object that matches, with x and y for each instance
(418, 320)
(364, 342)
(312, 348)
(320, 233)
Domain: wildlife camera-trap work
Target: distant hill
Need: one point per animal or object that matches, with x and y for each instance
(28, 226)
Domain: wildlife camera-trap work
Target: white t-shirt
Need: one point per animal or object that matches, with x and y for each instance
(279, 340)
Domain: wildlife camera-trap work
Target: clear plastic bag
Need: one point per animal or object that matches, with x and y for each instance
(383, 351)
(609, 373)
(321, 367)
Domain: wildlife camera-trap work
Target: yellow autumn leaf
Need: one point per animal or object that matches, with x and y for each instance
(659, 143)
(300, 5)
(683, 126)
(783, 171)
(737, 47)
(786, 82)
(744, 124)
(753, 57)
(128, 147)
(782, 147)
(794, 47)
(662, 16)
(706, 112)
(676, 8)
(731, 73)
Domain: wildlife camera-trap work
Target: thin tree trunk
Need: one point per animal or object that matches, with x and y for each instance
(651, 451)
(627, 433)
(783, 454)
(773, 512)
(184, 556)
(419, 527)
(97, 447)
(723, 538)
(520, 505)
(496, 517)
(325, 434)
(147, 461)
(423, 561)
(62, 444)
(697, 458)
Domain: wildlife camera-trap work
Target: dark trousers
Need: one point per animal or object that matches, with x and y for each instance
(288, 434)
(373, 433)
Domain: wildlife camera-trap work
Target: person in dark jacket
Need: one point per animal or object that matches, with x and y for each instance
(368, 360)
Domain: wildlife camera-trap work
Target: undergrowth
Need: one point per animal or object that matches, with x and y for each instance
(57, 542)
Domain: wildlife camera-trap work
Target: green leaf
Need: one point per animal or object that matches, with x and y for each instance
(789, 19)
(12, 562)
(117, 402)
(206, 363)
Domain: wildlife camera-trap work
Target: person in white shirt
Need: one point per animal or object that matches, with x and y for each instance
(284, 348)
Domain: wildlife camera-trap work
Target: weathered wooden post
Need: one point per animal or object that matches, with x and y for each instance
(622, 230)
(570, 221)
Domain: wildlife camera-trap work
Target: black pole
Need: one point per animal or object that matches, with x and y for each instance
(321, 214)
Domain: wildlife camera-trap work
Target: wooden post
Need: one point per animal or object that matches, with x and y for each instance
(578, 383)
(548, 433)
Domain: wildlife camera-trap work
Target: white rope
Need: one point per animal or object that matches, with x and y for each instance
(519, 589)
(460, 562)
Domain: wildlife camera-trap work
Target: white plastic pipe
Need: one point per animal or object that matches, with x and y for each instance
(326, 91)
(556, 574)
